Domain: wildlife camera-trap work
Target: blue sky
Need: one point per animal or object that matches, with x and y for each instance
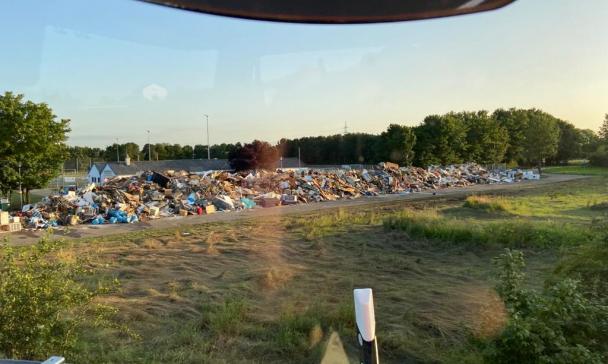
(118, 67)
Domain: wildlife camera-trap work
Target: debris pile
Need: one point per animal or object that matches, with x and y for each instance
(154, 195)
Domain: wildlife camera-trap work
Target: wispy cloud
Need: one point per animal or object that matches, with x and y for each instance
(154, 92)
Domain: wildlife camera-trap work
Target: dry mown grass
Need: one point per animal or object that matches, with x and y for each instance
(274, 290)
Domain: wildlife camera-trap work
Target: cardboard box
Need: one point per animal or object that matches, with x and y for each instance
(11, 227)
(154, 211)
(4, 218)
(210, 209)
(14, 226)
(289, 199)
(270, 202)
(183, 212)
(16, 219)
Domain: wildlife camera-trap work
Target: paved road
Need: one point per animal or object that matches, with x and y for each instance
(81, 231)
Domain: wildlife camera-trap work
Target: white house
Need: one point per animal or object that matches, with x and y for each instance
(94, 175)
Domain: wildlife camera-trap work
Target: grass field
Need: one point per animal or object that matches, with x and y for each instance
(578, 169)
(274, 290)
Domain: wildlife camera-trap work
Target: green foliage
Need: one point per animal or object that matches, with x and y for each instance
(398, 144)
(542, 135)
(254, 155)
(580, 170)
(588, 263)
(227, 318)
(515, 121)
(506, 233)
(298, 334)
(599, 158)
(32, 143)
(570, 144)
(603, 133)
(42, 303)
(440, 140)
(487, 203)
(487, 140)
(558, 325)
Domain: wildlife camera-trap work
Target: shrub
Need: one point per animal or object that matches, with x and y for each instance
(42, 303)
(557, 325)
(589, 264)
(599, 158)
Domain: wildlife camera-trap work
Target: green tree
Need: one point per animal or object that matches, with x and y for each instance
(32, 144)
(542, 137)
(570, 144)
(440, 140)
(515, 121)
(187, 152)
(603, 133)
(257, 154)
(131, 149)
(589, 142)
(487, 140)
(398, 144)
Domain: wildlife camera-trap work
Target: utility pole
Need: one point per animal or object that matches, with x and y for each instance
(208, 146)
(345, 128)
(149, 154)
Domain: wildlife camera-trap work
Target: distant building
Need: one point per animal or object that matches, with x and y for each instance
(100, 172)
(289, 163)
(94, 175)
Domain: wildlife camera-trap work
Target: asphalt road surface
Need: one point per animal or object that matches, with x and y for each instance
(88, 230)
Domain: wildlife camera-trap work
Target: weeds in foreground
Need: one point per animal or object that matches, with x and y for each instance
(44, 304)
(558, 325)
(226, 319)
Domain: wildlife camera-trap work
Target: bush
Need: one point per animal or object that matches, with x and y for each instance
(599, 158)
(42, 305)
(558, 325)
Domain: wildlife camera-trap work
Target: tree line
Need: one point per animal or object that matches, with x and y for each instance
(33, 144)
(513, 136)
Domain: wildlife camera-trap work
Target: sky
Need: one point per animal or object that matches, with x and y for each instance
(118, 68)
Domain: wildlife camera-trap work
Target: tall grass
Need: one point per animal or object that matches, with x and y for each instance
(516, 233)
(488, 203)
(226, 319)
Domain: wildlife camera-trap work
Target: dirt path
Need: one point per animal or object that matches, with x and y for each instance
(82, 231)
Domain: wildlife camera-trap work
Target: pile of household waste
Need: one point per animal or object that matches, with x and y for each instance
(153, 195)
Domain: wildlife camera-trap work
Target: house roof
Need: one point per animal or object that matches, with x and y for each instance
(98, 165)
(191, 165)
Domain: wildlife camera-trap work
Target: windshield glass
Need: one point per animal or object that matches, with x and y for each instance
(216, 188)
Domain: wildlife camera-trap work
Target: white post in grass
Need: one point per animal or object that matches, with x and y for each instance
(366, 326)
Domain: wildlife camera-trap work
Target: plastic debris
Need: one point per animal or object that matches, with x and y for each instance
(155, 194)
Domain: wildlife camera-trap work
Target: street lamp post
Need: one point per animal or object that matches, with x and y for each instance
(208, 146)
(149, 154)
